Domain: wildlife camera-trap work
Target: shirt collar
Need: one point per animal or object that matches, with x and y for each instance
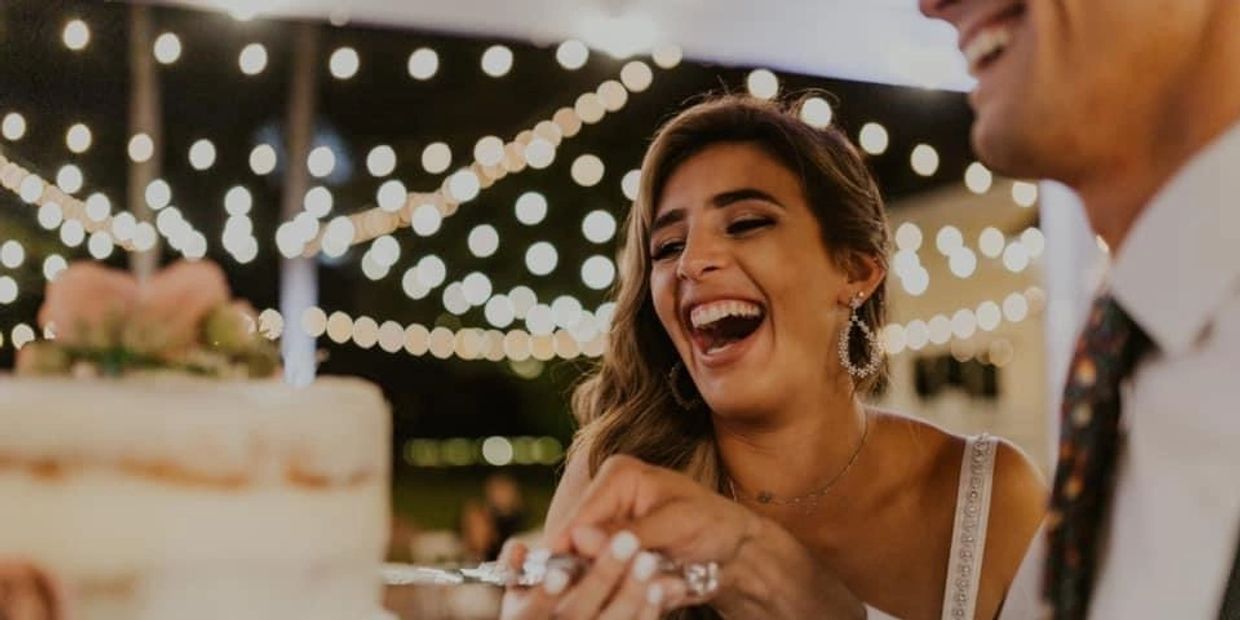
(1181, 259)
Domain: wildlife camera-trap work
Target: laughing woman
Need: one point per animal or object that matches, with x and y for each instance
(741, 353)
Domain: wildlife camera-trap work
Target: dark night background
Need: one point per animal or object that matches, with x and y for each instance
(205, 95)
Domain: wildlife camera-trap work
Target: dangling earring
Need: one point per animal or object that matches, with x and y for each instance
(873, 346)
(673, 382)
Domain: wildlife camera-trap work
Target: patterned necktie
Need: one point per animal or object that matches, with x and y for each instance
(1089, 441)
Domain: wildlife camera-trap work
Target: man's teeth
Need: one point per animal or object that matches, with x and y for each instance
(985, 43)
(706, 314)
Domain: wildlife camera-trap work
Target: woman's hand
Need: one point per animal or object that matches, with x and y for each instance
(765, 571)
(620, 583)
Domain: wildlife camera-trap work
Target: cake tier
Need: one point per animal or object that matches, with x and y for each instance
(165, 496)
(197, 432)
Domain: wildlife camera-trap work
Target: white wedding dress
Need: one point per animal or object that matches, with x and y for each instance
(964, 565)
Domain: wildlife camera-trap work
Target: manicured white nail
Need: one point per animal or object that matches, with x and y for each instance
(538, 555)
(654, 595)
(644, 565)
(555, 581)
(624, 545)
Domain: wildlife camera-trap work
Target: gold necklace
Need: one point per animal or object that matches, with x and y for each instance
(810, 500)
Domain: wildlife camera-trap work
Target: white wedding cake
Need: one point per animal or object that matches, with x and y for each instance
(159, 493)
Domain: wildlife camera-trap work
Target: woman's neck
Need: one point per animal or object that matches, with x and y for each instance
(797, 449)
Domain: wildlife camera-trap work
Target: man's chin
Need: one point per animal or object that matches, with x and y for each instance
(1002, 144)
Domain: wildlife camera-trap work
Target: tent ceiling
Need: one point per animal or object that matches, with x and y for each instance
(884, 41)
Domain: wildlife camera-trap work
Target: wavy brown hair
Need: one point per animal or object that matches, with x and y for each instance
(626, 406)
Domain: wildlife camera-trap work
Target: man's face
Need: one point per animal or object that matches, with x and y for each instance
(1068, 88)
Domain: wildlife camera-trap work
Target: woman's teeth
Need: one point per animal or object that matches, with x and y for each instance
(710, 313)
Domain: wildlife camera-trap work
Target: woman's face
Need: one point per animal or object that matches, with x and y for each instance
(742, 281)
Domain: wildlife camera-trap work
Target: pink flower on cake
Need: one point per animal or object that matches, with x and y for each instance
(84, 303)
(175, 301)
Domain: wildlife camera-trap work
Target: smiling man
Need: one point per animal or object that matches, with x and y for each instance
(1135, 104)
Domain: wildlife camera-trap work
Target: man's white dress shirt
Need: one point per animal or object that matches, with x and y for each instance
(1175, 519)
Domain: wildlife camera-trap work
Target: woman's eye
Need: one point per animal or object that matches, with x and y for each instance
(743, 226)
(666, 249)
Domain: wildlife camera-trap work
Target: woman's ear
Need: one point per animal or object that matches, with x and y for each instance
(864, 272)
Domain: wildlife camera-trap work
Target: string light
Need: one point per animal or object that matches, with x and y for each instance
(1024, 193)
(64, 209)
(531, 208)
(436, 157)
(873, 138)
(991, 242)
(598, 226)
(53, 265)
(1016, 257)
(321, 161)
(636, 76)
(423, 64)
(916, 282)
(908, 237)
(344, 63)
(263, 159)
(385, 250)
(69, 179)
(78, 138)
(72, 233)
(539, 153)
(141, 148)
(98, 207)
(925, 160)
(816, 112)
(100, 244)
(762, 84)
(587, 170)
(167, 48)
(426, 220)
(533, 147)
(489, 151)
(978, 178)
(667, 56)
(572, 54)
(23, 335)
(598, 272)
(964, 323)
(631, 184)
(483, 241)
(541, 258)
(390, 197)
(476, 288)
(8, 290)
(158, 194)
(612, 95)
(463, 186)
(31, 189)
(432, 271)
(454, 299)
(499, 311)
(76, 35)
(13, 127)
(12, 254)
(381, 161)
(202, 154)
(1034, 241)
(948, 239)
(497, 61)
(962, 262)
(253, 59)
(238, 200)
(590, 108)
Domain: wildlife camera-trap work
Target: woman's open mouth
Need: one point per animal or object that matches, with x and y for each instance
(723, 325)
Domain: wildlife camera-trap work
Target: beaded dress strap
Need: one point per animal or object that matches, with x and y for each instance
(964, 565)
